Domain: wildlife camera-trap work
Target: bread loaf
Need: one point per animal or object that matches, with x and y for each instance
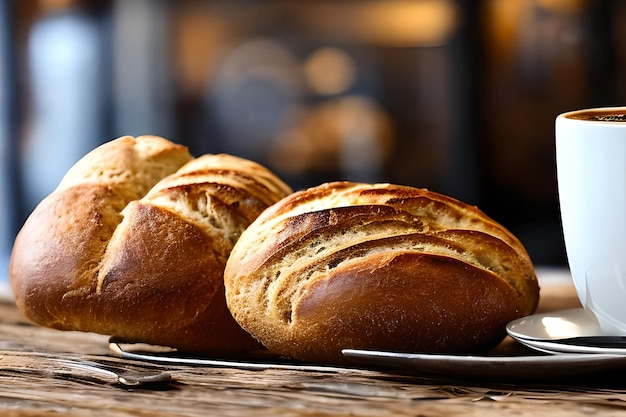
(134, 241)
(385, 267)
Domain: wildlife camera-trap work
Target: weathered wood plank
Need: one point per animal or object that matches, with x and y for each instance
(34, 383)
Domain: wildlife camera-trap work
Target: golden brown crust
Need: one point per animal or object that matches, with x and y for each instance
(134, 241)
(407, 302)
(380, 266)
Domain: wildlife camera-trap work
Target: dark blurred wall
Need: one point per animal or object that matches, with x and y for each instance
(456, 96)
(11, 207)
(541, 59)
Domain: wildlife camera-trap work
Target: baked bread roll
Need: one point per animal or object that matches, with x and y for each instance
(382, 267)
(134, 241)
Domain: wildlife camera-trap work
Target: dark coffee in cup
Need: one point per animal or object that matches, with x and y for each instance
(599, 116)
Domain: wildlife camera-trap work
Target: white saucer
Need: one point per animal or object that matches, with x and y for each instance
(546, 332)
(554, 325)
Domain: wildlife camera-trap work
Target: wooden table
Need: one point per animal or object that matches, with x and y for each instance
(34, 383)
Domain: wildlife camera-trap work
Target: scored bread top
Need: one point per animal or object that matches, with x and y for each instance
(337, 216)
(134, 164)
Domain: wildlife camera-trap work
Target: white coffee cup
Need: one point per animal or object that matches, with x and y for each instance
(591, 175)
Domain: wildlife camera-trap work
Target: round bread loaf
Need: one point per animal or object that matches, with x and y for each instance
(134, 241)
(382, 267)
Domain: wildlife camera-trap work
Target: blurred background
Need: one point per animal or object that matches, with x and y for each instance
(455, 96)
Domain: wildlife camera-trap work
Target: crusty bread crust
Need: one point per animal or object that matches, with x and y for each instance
(380, 266)
(134, 241)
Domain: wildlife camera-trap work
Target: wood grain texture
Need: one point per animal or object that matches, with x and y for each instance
(34, 383)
